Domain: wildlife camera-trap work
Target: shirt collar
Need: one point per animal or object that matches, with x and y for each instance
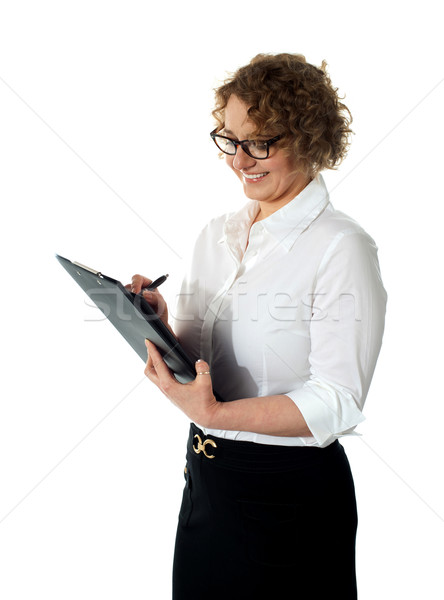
(286, 224)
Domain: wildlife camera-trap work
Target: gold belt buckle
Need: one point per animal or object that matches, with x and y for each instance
(201, 447)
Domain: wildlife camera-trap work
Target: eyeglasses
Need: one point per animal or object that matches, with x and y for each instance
(258, 149)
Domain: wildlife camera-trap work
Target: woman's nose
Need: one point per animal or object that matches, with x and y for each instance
(241, 159)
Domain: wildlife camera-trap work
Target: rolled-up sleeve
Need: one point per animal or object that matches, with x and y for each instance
(346, 330)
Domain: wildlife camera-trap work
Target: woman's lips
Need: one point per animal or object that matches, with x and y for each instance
(254, 177)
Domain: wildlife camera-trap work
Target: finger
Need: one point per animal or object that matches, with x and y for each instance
(202, 367)
(149, 360)
(166, 379)
(203, 373)
(129, 287)
(138, 282)
(157, 303)
(151, 297)
(150, 370)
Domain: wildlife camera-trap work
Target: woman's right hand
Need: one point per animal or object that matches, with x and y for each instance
(154, 298)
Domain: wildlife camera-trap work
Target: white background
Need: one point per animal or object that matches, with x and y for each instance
(98, 104)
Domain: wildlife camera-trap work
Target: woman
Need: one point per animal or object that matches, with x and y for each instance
(285, 307)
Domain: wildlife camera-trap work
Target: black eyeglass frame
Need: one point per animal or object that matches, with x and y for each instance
(242, 144)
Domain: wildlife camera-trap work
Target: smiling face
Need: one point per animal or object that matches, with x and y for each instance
(273, 181)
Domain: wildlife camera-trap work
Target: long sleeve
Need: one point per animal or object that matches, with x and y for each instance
(346, 330)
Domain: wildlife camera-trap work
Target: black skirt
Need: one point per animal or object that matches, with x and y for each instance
(260, 521)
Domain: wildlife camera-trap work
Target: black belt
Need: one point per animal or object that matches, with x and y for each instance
(251, 456)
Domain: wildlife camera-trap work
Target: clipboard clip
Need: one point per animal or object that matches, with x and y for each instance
(93, 271)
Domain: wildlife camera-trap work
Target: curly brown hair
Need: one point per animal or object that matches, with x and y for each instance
(288, 96)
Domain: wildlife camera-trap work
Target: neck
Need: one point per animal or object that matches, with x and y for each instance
(268, 208)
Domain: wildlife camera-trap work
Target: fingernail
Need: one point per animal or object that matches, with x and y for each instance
(200, 360)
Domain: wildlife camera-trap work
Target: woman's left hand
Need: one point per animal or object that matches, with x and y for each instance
(195, 399)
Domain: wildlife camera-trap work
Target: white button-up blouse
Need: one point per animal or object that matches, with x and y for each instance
(293, 305)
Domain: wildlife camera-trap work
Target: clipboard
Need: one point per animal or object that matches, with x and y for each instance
(133, 317)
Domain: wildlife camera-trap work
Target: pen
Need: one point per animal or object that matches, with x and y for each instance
(156, 283)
